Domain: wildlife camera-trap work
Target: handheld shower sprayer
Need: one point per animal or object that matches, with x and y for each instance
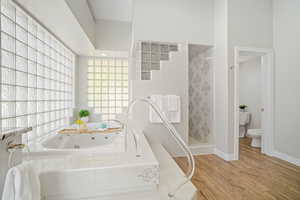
(173, 133)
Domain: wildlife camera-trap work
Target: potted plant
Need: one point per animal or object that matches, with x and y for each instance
(243, 107)
(84, 115)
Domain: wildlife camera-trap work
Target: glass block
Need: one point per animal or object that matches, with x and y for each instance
(155, 66)
(40, 46)
(21, 78)
(40, 106)
(40, 82)
(155, 57)
(8, 93)
(47, 87)
(40, 58)
(146, 76)
(164, 48)
(21, 19)
(8, 76)
(7, 42)
(21, 108)
(32, 96)
(21, 93)
(146, 57)
(22, 122)
(164, 56)
(8, 124)
(21, 64)
(31, 107)
(155, 48)
(21, 49)
(40, 119)
(8, 109)
(7, 25)
(32, 67)
(32, 54)
(146, 46)
(32, 120)
(31, 80)
(21, 34)
(40, 33)
(8, 59)
(173, 47)
(40, 94)
(32, 27)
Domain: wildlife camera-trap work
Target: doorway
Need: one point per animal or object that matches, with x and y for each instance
(266, 92)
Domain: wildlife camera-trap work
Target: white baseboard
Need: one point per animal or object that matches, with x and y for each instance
(202, 149)
(223, 155)
(288, 158)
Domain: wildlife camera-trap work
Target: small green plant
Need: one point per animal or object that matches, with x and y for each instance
(243, 106)
(84, 113)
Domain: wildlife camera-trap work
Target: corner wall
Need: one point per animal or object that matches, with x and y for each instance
(220, 121)
(287, 78)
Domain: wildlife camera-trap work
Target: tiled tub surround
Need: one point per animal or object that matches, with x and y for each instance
(200, 92)
(148, 56)
(94, 175)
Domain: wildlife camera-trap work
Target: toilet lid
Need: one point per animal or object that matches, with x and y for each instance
(255, 131)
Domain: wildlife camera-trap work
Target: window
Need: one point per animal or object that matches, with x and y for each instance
(36, 75)
(108, 85)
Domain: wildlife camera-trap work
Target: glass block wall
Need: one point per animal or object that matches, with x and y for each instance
(148, 56)
(36, 75)
(108, 86)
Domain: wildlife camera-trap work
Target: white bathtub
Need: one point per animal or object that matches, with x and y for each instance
(75, 142)
(83, 167)
(98, 175)
(81, 143)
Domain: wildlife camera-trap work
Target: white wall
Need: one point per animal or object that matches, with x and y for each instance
(221, 75)
(113, 35)
(172, 78)
(59, 19)
(250, 25)
(84, 16)
(170, 21)
(250, 89)
(287, 78)
(173, 21)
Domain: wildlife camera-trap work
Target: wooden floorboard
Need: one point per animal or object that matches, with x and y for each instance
(254, 177)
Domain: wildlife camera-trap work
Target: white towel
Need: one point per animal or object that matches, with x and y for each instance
(173, 102)
(22, 183)
(158, 100)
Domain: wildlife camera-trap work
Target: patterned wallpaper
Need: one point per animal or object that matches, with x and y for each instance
(200, 89)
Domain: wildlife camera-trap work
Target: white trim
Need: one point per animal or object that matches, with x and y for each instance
(286, 157)
(202, 149)
(267, 58)
(223, 155)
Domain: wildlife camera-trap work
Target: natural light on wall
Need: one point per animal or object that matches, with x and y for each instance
(108, 85)
(36, 75)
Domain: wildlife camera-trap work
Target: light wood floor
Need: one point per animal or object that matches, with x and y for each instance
(254, 177)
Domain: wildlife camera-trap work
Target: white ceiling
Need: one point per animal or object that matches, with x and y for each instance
(111, 9)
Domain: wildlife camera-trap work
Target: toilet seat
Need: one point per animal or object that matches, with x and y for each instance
(255, 132)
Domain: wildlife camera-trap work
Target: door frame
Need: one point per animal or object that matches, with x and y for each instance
(267, 62)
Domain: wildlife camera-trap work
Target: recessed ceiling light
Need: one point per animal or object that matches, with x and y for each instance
(103, 54)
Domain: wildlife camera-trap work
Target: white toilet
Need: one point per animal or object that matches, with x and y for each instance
(256, 135)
